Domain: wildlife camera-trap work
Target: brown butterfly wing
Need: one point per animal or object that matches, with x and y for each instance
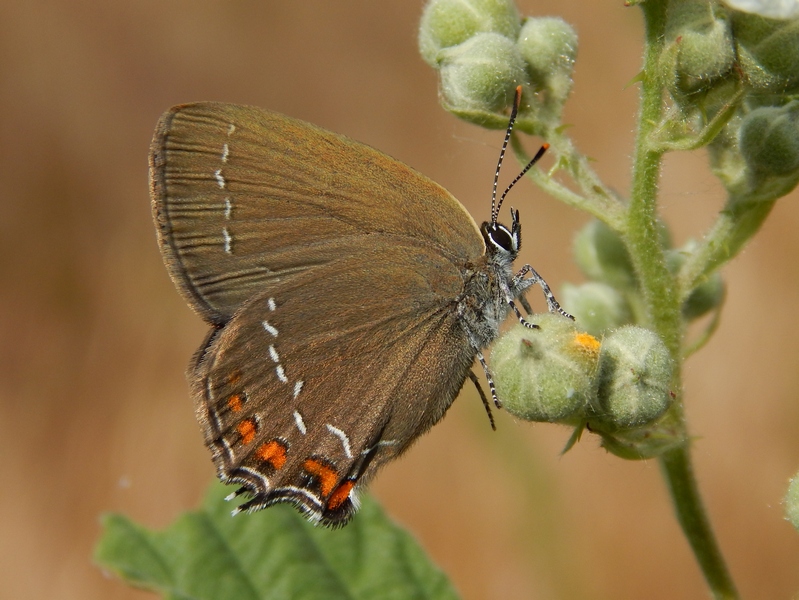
(329, 374)
(244, 198)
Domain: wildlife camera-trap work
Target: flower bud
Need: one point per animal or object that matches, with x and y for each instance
(768, 52)
(447, 23)
(546, 374)
(479, 77)
(635, 371)
(602, 255)
(756, 156)
(770, 139)
(549, 46)
(699, 45)
(595, 306)
(704, 297)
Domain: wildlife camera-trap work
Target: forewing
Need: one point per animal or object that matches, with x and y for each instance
(244, 198)
(314, 385)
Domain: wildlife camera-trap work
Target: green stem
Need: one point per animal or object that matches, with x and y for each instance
(610, 208)
(677, 470)
(602, 206)
(662, 302)
(708, 132)
(736, 224)
(642, 236)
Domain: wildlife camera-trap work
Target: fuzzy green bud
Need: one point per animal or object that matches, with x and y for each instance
(546, 374)
(756, 155)
(595, 306)
(792, 502)
(479, 78)
(706, 296)
(699, 46)
(447, 23)
(770, 139)
(768, 52)
(602, 255)
(549, 46)
(635, 371)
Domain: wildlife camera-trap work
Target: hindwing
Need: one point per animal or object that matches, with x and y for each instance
(327, 375)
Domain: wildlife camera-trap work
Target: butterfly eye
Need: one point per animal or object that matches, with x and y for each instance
(500, 238)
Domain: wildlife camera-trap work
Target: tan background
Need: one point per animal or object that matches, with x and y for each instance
(95, 414)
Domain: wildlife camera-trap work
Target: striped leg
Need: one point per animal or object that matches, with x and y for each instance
(480, 391)
(519, 283)
(490, 380)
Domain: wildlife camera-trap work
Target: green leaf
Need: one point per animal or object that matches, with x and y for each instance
(276, 553)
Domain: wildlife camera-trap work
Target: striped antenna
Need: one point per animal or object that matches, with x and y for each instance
(529, 166)
(516, 101)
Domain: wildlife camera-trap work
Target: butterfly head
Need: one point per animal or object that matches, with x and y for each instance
(503, 242)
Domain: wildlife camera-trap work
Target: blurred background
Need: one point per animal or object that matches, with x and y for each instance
(95, 339)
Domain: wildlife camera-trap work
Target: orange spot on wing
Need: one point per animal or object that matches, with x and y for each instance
(272, 452)
(247, 431)
(340, 494)
(235, 402)
(327, 476)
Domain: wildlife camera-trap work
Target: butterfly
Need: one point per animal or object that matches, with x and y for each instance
(348, 296)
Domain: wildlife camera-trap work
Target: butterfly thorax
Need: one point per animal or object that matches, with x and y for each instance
(484, 304)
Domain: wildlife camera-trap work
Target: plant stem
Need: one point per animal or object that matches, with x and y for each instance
(642, 236)
(662, 302)
(709, 131)
(735, 225)
(678, 472)
(602, 206)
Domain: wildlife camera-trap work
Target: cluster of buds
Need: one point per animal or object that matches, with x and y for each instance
(617, 388)
(731, 82)
(483, 50)
(715, 56)
(611, 297)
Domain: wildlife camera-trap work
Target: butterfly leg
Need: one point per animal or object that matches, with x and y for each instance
(519, 284)
(480, 391)
(525, 305)
(520, 316)
(492, 388)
